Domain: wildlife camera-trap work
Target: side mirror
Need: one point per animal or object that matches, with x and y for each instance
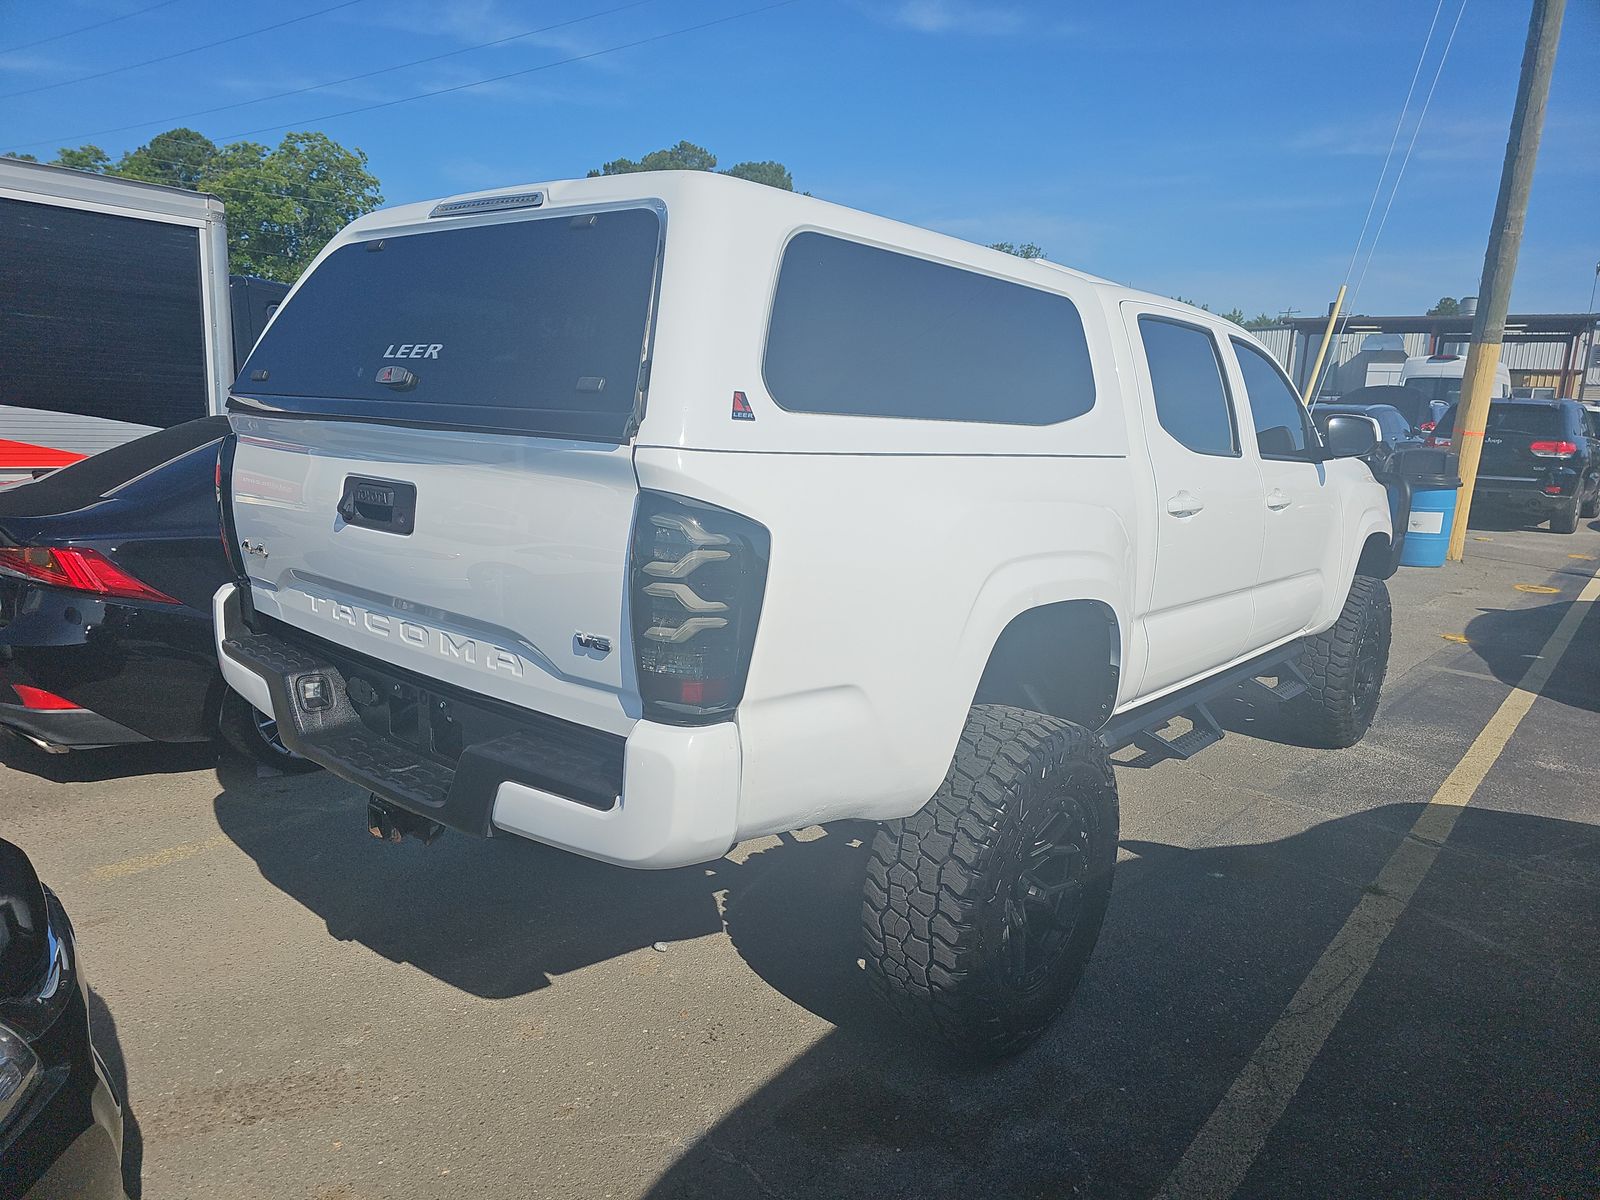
(1347, 435)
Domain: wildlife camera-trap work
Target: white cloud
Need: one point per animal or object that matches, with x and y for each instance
(953, 16)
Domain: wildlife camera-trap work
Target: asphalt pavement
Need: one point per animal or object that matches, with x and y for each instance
(1320, 973)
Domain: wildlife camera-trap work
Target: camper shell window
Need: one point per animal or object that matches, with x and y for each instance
(861, 331)
(529, 326)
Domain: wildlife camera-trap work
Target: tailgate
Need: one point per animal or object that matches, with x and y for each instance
(490, 559)
(434, 464)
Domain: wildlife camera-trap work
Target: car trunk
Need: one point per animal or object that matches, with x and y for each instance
(434, 464)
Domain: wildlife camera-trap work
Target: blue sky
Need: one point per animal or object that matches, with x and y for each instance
(1226, 152)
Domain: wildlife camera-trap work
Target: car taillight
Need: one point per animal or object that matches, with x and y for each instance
(1554, 449)
(80, 570)
(1427, 427)
(698, 574)
(40, 700)
(1433, 439)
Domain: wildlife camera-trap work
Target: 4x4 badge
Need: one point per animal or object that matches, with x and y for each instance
(741, 408)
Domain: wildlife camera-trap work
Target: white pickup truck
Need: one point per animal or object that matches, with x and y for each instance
(642, 515)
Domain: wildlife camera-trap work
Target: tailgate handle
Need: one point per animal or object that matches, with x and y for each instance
(387, 505)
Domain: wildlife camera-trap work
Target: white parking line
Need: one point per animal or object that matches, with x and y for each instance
(1221, 1153)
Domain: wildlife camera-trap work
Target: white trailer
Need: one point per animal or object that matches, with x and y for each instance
(114, 312)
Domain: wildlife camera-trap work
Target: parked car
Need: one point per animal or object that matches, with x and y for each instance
(107, 569)
(60, 1116)
(1395, 432)
(1537, 455)
(1419, 412)
(792, 514)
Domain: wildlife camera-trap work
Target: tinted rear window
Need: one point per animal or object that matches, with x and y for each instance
(861, 331)
(1535, 420)
(532, 326)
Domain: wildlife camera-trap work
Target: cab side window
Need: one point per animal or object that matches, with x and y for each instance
(1283, 430)
(1191, 392)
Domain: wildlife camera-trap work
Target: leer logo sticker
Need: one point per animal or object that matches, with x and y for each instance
(741, 408)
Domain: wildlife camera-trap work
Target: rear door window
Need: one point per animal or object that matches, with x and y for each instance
(861, 331)
(535, 326)
(1191, 393)
(1535, 421)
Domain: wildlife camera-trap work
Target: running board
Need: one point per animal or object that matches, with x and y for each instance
(1140, 726)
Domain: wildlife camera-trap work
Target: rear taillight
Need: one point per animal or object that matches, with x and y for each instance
(40, 700)
(1427, 427)
(1433, 439)
(80, 570)
(1554, 449)
(698, 574)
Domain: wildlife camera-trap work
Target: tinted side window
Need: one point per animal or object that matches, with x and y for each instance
(1282, 430)
(1191, 396)
(861, 331)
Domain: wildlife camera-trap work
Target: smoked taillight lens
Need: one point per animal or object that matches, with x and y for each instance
(697, 577)
(1554, 449)
(78, 569)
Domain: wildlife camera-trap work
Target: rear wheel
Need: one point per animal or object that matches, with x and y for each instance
(1565, 518)
(982, 908)
(254, 734)
(1591, 507)
(1344, 668)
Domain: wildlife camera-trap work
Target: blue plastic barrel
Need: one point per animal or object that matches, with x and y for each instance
(1433, 510)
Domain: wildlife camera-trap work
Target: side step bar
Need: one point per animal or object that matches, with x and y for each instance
(1140, 726)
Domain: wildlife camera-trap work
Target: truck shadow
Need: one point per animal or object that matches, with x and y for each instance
(1201, 951)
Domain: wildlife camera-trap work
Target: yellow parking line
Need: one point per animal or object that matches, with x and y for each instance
(161, 858)
(1221, 1153)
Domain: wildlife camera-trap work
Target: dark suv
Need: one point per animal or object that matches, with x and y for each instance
(1538, 454)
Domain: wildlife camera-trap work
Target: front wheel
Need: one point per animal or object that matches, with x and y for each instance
(982, 908)
(1344, 668)
(254, 734)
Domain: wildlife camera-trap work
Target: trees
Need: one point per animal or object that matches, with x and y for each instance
(1448, 306)
(1022, 250)
(1236, 315)
(283, 202)
(1261, 321)
(686, 156)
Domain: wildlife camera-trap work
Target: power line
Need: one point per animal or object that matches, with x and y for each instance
(1400, 173)
(561, 62)
(1394, 140)
(416, 62)
(56, 37)
(238, 37)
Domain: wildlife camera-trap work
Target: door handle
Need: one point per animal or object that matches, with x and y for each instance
(1184, 505)
(1278, 500)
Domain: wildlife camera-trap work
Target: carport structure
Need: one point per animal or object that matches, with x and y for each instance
(1541, 349)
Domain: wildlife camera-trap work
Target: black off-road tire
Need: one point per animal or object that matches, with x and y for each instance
(1344, 668)
(252, 734)
(982, 908)
(1590, 508)
(1565, 519)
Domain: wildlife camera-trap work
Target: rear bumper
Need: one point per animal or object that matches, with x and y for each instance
(664, 796)
(67, 728)
(1531, 492)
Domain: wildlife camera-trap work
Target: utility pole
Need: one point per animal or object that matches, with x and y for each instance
(1500, 261)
